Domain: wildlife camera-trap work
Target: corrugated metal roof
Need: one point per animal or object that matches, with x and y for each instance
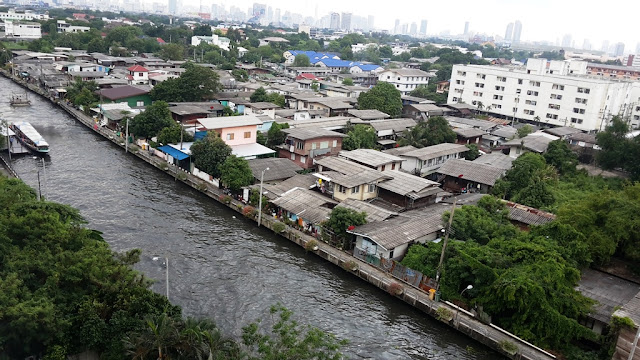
(469, 170)
(534, 142)
(496, 159)
(431, 152)
(279, 168)
(405, 184)
(229, 121)
(306, 204)
(306, 134)
(374, 213)
(370, 157)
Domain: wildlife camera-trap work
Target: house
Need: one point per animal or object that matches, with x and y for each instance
(239, 132)
(86, 75)
(269, 40)
(390, 239)
(304, 146)
(461, 176)
(188, 112)
(305, 207)
(63, 27)
(344, 179)
(405, 80)
(504, 133)
(525, 216)
(138, 75)
(427, 160)
(275, 169)
(112, 114)
(408, 191)
(366, 68)
(563, 132)
(496, 159)
(442, 87)
(468, 136)
(373, 159)
(409, 100)
(462, 109)
(219, 41)
(330, 106)
(335, 123)
(275, 188)
(388, 130)
(422, 112)
(459, 122)
(536, 142)
(368, 115)
(261, 108)
(583, 140)
(132, 95)
(374, 213)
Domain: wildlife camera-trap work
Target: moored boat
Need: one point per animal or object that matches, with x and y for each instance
(20, 100)
(28, 135)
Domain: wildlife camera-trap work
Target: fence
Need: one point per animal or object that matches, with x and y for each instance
(397, 270)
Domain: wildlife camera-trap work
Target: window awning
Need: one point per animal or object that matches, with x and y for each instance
(177, 154)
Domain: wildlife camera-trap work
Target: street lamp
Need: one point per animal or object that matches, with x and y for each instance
(44, 175)
(469, 287)
(260, 197)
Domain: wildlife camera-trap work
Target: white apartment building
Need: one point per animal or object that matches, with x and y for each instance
(219, 41)
(405, 80)
(22, 30)
(68, 28)
(559, 93)
(27, 15)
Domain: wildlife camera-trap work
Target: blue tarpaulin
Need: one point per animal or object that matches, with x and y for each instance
(177, 154)
(200, 135)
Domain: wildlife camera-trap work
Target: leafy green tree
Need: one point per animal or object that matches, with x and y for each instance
(240, 75)
(434, 131)
(360, 136)
(617, 152)
(386, 51)
(276, 98)
(97, 46)
(301, 60)
(347, 81)
(209, 154)
(482, 223)
(275, 135)
(525, 130)
(341, 218)
(202, 30)
(429, 92)
(236, 173)
(171, 134)
(172, 52)
(384, 97)
(527, 181)
(82, 91)
(150, 122)
(561, 157)
(260, 95)
(196, 84)
(473, 152)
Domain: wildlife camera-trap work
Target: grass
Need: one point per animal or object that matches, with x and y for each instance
(15, 45)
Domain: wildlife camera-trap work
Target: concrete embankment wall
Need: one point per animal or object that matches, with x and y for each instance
(489, 335)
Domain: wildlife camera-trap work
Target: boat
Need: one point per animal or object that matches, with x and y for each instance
(28, 135)
(20, 99)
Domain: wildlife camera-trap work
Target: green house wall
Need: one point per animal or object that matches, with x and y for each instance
(133, 101)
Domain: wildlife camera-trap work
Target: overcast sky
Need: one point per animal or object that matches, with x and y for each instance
(613, 20)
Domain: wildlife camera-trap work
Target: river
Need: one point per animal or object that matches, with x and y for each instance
(221, 265)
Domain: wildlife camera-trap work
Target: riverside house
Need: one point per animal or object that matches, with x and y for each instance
(132, 95)
(427, 160)
(303, 146)
(239, 132)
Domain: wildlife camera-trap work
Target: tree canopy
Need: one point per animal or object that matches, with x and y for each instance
(261, 95)
(434, 131)
(150, 122)
(301, 60)
(198, 83)
(210, 153)
(275, 135)
(360, 136)
(618, 151)
(528, 181)
(341, 218)
(384, 97)
(236, 173)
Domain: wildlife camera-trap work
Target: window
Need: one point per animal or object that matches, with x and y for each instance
(556, 97)
(355, 189)
(520, 81)
(335, 143)
(247, 134)
(500, 88)
(481, 76)
(324, 145)
(383, 167)
(496, 106)
(480, 85)
(497, 97)
(462, 73)
(342, 189)
(459, 91)
(531, 102)
(578, 111)
(557, 87)
(140, 74)
(518, 91)
(455, 99)
(293, 156)
(477, 93)
(303, 159)
(230, 136)
(534, 83)
(529, 112)
(391, 257)
(581, 101)
(501, 78)
(552, 116)
(372, 188)
(140, 103)
(393, 165)
(299, 145)
(313, 146)
(583, 90)
(554, 106)
(460, 82)
(576, 121)
(531, 92)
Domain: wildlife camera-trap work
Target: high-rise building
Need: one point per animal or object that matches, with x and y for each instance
(173, 6)
(423, 27)
(566, 41)
(405, 29)
(277, 18)
(466, 28)
(259, 10)
(586, 45)
(508, 35)
(414, 29)
(517, 31)
(605, 46)
(370, 22)
(637, 48)
(619, 49)
(345, 23)
(335, 21)
(396, 27)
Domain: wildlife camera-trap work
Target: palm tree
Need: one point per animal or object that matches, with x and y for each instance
(159, 335)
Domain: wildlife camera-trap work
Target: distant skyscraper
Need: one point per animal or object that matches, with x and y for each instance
(508, 35)
(619, 49)
(466, 28)
(259, 10)
(517, 31)
(566, 41)
(277, 18)
(396, 28)
(269, 14)
(423, 27)
(586, 45)
(605, 46)
(345, 23)
(173, 6)
(370, 22)
(414, 29)
(637, 48)
(335, 21)
(405, 29)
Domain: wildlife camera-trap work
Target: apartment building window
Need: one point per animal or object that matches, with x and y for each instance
(552, 116)
(460, 82)
(584, 90)
(335, 143)
(554, 106)
(299, 145)
(477, 93)
(637, 108)
(293, 156)
(324, 145)
(531, 92)
(515, 109)
(557, 87)
(393, 166)
(520, 81)
(247, 134)
(578, 111)
(556, 97)
(459, 91)
(496, 106)
(454, 99)
(230, 136)
(576, 121)
(383, 167)
(581, 101)
(372, 188)
(534, 83)
(313, 146)
(481, 76)
(461, 73)
(502, 78)
(355, 189)
(529, 112)
(500, 88)
(636, 117)
(479, 85)
(497, 97)
(342, 189)
(531, 102)
(518, 91)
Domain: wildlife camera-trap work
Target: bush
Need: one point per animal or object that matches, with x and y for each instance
(311, 245)
(509, 347)
(350, 265)
(444, 314)
(279, 227)
(225, 199)
(395, 289)
(182, 176)
(249, 211)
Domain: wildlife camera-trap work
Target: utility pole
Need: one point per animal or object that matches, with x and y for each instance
(126, 137)
(167, 275)
(444, 245)
(260, 198)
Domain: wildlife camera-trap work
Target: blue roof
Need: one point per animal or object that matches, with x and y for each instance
(177, 154)
(368, 67)
(340, 63)
(314, 57)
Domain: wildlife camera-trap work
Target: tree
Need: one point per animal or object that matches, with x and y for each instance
(97, 46)
(434, 131)
(275, 135)
(236, 173)
(618, 152)
(260, 95)
(210, 153)
(384, 97)
(524, 131)
(196, 84)
(301, 60)
(172, 51)
(561, 157)
(527, 182)
(360, 136)
(150, 122)
(82, 92)
(429, 92)
(289, 340)
(171, 134)
(347, 81)
(202, 30)
(341, 218)
(473, 152)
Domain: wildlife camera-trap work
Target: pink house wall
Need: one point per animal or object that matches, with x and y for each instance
(238, 135)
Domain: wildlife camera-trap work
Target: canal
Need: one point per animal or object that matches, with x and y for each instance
(221, 265)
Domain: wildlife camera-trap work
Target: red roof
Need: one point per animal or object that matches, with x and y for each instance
(160, 41)
(307, 76)
(137, 68)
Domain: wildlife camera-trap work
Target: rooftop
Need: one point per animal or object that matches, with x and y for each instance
(610, 292)
(229, 121)
(350, 174)
(368, 114)
(496, 159)
(194, 108)
(308, 133)
(399, 151)
(474, 123)
(416, 99)
(587, 138)
(306, 181)
(369, 157)
(262, 105)
(374, 213)
(409, 185)
(410, 72)
(395, 125)
(505, 132)
(279, 168)
(562, 131)
(528, 215)
(468, 132)
(435, 151)
(472, 171)
(430, 108)
(121, 92)
(535, 142)
(306, 204)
